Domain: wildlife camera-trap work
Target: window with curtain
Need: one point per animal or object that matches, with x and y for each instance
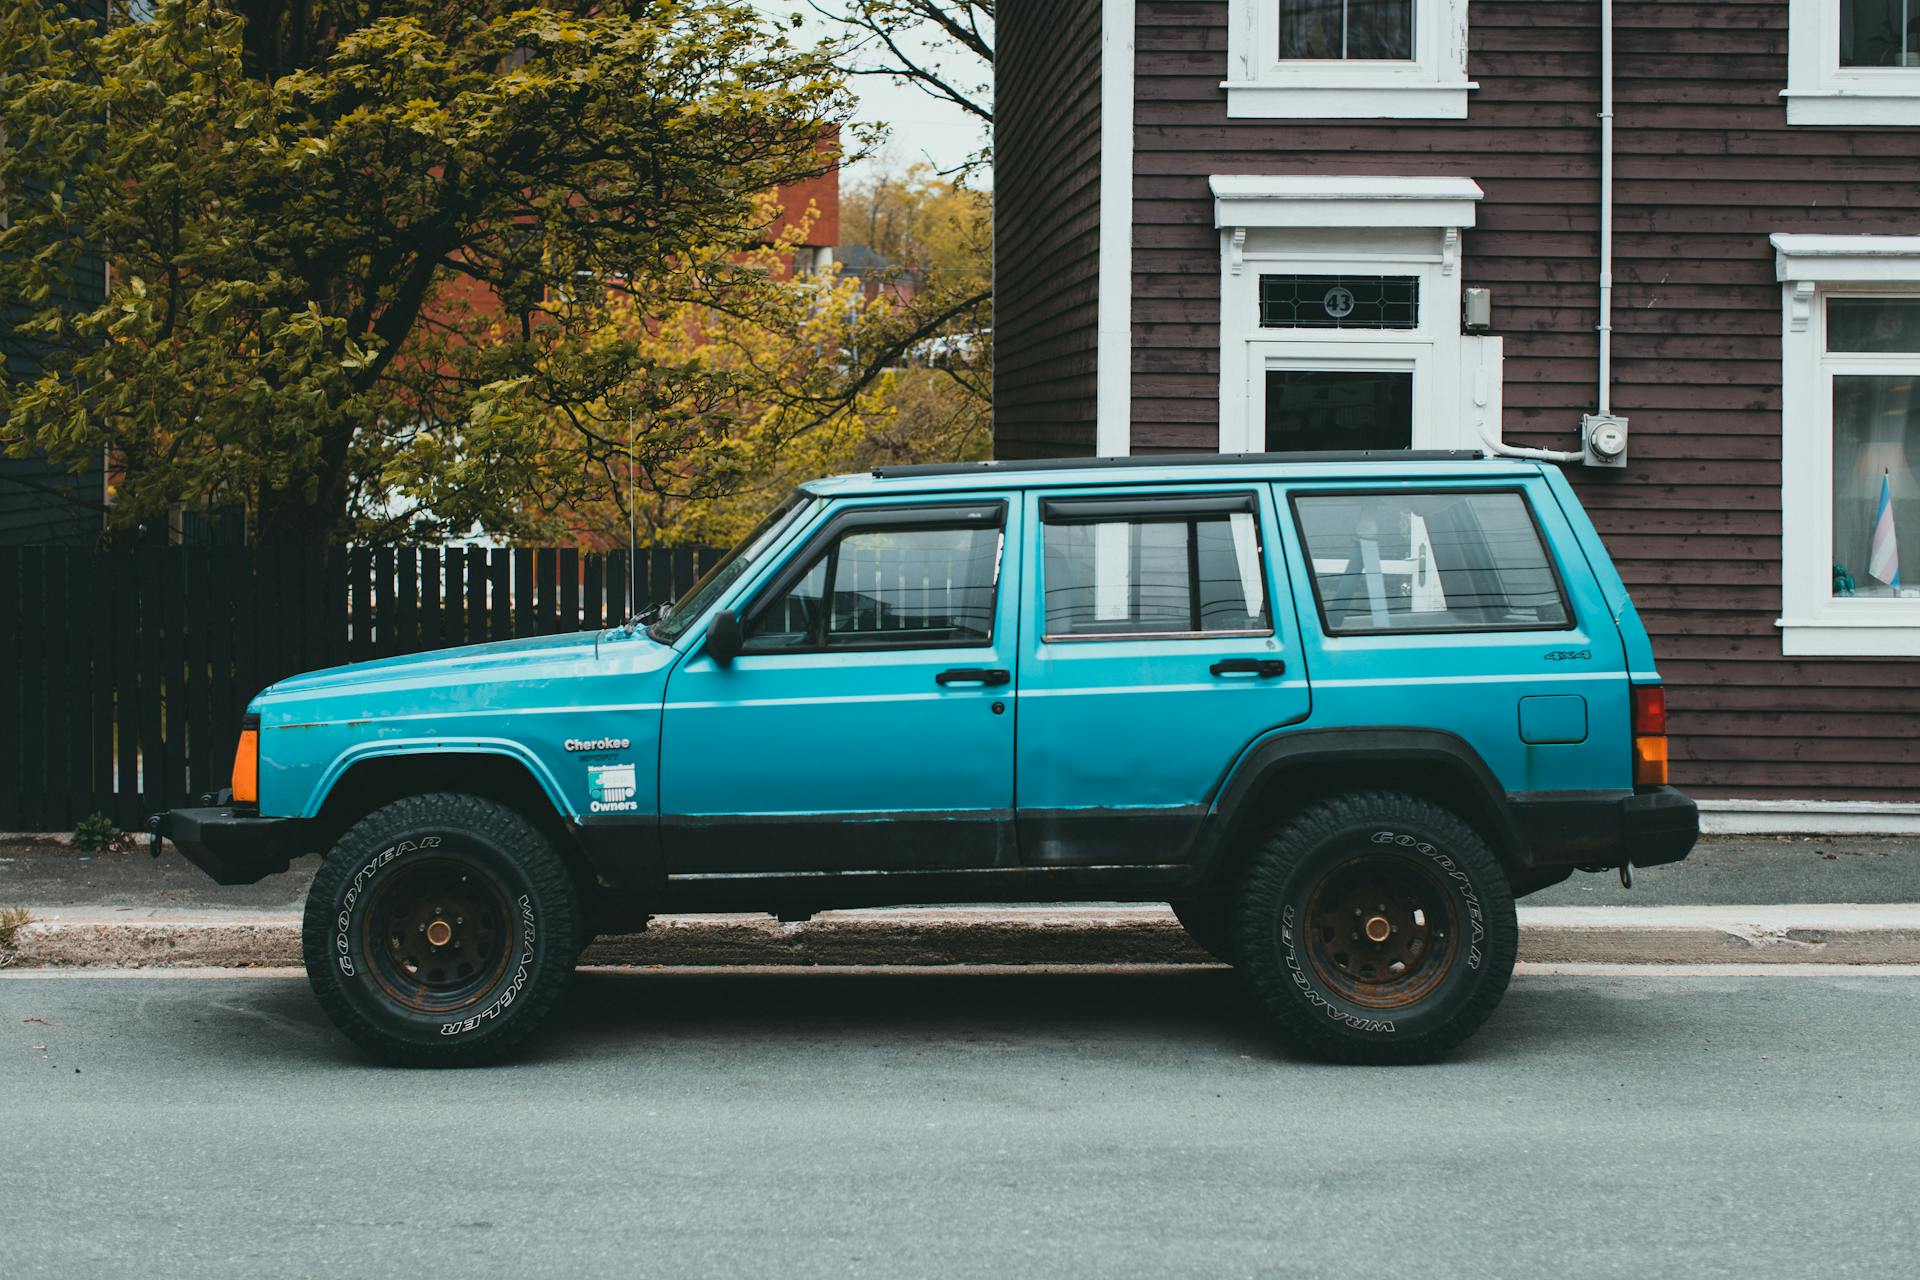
(1880, 33)
(1873, 356)
(1348, 30)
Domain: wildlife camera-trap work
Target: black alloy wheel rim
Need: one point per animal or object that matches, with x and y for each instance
(438, 935)
(1380, 931)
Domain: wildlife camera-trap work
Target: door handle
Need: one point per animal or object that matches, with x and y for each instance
(1262, 667)
(974, 675)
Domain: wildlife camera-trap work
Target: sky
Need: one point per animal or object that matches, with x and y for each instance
(920, 128)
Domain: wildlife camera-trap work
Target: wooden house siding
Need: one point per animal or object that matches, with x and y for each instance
(1706, 168)
(1046, 226)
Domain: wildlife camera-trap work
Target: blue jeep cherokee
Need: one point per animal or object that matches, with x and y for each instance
(1339, 710)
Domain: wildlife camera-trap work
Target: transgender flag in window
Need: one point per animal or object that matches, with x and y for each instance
(1883, 558)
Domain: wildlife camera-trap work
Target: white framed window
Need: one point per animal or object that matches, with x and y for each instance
(1850, 444)
(1340, 316)
(1347, 59)
(1853, 62)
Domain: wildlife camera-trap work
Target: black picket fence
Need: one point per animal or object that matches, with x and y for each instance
(123, 675)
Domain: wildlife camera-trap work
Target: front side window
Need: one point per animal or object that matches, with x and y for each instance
(1873, 358)
(1143, 572)
(921, 586)
(1346, 29)
(1386, 563)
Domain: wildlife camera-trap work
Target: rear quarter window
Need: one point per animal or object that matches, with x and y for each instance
(1408, 562)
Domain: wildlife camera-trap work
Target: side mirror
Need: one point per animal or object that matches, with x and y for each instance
(724, 639)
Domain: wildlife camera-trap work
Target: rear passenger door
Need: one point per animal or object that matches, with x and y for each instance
(1448, 607)
(1156, 642)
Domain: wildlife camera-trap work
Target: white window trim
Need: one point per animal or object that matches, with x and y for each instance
(1821, 92)
(1113, 339)
(1812, 268)
(1432, 86)
(1261, 218)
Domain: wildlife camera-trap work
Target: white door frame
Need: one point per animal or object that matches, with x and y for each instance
(1319, 225)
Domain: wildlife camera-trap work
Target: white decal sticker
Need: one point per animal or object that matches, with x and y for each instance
(610, 788)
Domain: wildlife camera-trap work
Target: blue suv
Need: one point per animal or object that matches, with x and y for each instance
(1339, 709)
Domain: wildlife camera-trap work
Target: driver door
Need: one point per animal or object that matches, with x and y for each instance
(867, 722)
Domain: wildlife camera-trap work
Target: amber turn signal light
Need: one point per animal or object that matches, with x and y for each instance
(1649, 735)
(1650, 762)
(246, 763)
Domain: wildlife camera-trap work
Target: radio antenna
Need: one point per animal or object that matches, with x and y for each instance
(633, 541)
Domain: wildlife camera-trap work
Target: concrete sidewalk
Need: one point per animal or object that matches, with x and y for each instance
(1103, 935)
(1853, 900)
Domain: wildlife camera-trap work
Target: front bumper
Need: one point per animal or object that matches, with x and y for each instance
(1648, 828)
(232, 845)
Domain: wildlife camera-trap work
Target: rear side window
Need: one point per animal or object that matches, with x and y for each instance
(1177, 567)
(1435, 561)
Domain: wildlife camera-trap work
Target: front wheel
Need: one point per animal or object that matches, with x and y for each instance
(1376, 927)
(440, 930)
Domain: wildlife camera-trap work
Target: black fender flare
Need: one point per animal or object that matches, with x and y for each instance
(1269, 760)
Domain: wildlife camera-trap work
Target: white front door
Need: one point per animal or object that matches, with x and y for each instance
(1344, 339)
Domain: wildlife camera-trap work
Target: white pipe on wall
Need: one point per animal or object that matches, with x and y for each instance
(1606, 207)
(1604, 406)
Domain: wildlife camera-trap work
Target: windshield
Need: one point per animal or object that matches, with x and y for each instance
(687, 609)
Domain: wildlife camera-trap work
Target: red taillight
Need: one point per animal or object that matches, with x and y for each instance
(1649, 710)
(1649, 735)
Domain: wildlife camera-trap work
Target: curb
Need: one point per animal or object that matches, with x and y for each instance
(1811, 934)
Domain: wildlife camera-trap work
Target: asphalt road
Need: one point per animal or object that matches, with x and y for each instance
(980, 1124)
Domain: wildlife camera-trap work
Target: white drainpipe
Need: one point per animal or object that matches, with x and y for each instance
(1606, 207)
(1603, 411)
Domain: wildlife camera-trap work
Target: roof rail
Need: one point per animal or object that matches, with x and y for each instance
(1174, 460)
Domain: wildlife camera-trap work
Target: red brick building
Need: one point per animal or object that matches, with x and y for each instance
(1254, 224)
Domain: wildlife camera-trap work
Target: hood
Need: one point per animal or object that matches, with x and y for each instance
(393, 683)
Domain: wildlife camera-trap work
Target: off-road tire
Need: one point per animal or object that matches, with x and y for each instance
(1209, 922)
(397, 872)
(1320, 987)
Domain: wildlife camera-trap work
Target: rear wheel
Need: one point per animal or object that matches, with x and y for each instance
(1376, 927)
(440, 930)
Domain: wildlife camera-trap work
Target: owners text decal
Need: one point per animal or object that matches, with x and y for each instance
(610, 788)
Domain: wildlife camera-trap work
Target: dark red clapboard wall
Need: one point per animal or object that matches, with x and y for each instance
(1046, 226)
(1706, 169)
